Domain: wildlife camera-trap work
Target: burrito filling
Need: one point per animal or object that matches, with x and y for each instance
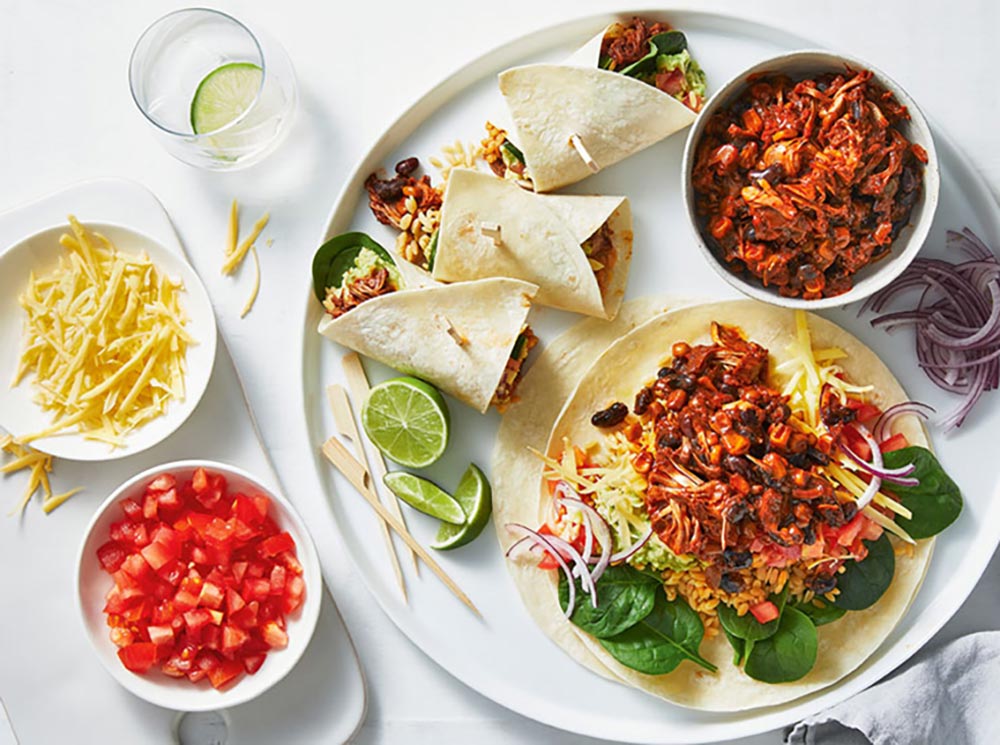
(600, 251)
(513, 372)
(503, 156)
(656, 55)
(370, 277)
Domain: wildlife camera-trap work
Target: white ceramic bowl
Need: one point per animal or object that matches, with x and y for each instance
(92, 583)
(20, 415)
(798, 66)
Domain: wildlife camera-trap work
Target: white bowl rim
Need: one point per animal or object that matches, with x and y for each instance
(305, 624)
(882, 275)
(210, 344)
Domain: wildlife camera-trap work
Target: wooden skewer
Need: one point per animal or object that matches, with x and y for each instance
(454, 333)
(584, 154)
(492, 231)
(357, 382)
(344, 417)
(348, 465)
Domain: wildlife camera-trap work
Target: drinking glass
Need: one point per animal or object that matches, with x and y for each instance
(175, 55)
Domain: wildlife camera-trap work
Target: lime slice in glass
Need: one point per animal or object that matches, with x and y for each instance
(425, 496)
(407, 419)
(476, 499)
(223, 95)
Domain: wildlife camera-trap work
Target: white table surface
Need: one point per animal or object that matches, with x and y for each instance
(66, 116)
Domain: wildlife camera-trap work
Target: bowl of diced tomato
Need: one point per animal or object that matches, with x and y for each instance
(198, 586)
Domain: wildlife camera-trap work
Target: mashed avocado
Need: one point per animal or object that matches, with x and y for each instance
(366, 261)
(693, 73)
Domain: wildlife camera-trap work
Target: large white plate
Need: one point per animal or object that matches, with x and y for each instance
(505, 657)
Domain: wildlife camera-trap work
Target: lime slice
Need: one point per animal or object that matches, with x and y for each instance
(223, 95)
(407, 419)
(475, 497)
(425, 496)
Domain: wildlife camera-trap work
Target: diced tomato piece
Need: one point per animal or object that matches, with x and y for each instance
(276, 544)
(185, 600)
(849, 533)
(256, 589)
(163, 613)
(149, 506)
(233, 638)
(158, 554)
(196, 619)
(137, 566)
(241, 531)
(163, 482)
(183, 658)
(211, 596)
(161, 635)
(234, 601)
(138, 657)
(764, 612)
(896, 442)
(870, 531)
(219, 531)
(246, 617)
(256, 569)
(247, 510)
(262, 503)
(198, 555)
(863, 410)
(169, 500)
(225, 673)
(274, 635)
(253, 662)
(141, 536)
(207, 661)
(138, 611)
(239, 569)
(111, 555)
(121, 636)
(291, 562)
(132, 509)
(196, 674)
(199, 480)
(278, 578)
(211, 636)
(217, 616)
(858, 445)
(171, 573)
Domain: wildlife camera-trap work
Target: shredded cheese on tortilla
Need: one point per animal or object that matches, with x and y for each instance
(104, 336)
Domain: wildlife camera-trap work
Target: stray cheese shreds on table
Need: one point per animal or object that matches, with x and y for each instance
(104, 336)
(40, 466)
(235, 254)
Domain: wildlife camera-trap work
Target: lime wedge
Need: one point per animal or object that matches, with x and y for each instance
(407, 419)
(422, 495)
(223, 95)
(475, 497)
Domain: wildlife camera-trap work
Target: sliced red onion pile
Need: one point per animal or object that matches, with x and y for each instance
(587, 566)
(957, 320)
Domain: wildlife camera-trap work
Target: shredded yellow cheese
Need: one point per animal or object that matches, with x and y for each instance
(40, 465)
(234, 228)
(236, 253)
(234, 259)
(256, 283)
(104, 336)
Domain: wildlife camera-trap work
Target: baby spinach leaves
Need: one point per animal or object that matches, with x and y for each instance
(935, 501)
(747, 627)
(625, 597)
(661, 641)
(669, 42)
(863, 582)
(787, 655)
(335, 257)
(820, 612)
(636, 623)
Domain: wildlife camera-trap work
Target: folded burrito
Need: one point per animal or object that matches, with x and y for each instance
(470, 339)
(572, 119)
(577, 249)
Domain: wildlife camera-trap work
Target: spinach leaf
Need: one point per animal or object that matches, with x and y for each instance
(739, 646)
(335, 257)
(747, 627)
(669, 42)
(788, 655)
(820, 614)
(864, 582)
(432, 250)
(935, 502)
(624, 595)
(670, 634)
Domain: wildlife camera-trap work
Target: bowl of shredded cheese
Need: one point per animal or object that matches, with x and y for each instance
(107, 341)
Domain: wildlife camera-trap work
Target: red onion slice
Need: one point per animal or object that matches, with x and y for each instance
(580, 568)
(632, 550)
(881, 431)
(540, 540)
(602, 531)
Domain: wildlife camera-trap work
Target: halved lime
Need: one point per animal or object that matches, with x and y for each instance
(476, 499)
(425, 496)
(407, 419)
(223, 95)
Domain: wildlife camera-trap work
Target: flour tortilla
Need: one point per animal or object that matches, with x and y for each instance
(408, 330)
(614, 115)
(843, 645)
(541, 237)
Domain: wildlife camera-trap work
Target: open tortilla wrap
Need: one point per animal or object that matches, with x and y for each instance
(541, 241)
(614, 115)
(617, 374)
(408, 330)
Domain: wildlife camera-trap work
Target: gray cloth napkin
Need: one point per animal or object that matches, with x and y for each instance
(947, 695)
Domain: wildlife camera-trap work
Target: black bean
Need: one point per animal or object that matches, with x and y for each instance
(642, 401)
(389, 190)
(799, 460)
(808, 535)
(758, 450)
(610, 416)
(684, 382)
(749, 417)
(737, 512)
(671, 440)
(822, 583)
(818, 456)
(407, 166)
(737, 559)
(663, 372)
(731, 583)
(850, 509)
